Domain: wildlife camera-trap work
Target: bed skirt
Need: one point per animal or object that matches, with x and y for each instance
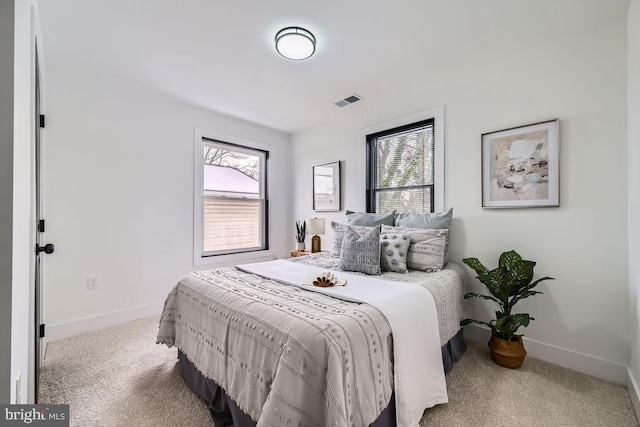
(225, 411)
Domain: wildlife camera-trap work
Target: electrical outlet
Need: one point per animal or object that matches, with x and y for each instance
(92, 282)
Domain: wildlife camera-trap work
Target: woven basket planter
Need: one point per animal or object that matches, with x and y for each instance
(509, 354)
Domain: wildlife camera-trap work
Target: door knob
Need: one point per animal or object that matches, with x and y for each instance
(47, 249)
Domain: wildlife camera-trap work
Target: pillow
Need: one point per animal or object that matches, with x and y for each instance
(370, 219)
(361, 253)
(427, 249)
(338, 234)
(411, 231)
(431, 220)
(393, 252)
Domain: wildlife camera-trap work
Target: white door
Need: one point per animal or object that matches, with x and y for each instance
(40, 228)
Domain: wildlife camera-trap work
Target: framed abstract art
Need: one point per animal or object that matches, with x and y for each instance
(520, 167)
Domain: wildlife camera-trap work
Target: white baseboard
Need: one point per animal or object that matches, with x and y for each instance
(67, 329)
(590, 365)
(634, 392)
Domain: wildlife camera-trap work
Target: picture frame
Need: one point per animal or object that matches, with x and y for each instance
(326, 187)
(520, 166)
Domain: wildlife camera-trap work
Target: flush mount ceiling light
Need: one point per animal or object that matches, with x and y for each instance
(295, 43)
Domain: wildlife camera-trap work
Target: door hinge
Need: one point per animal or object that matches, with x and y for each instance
(41, 226)
(42, 331)
(42, 120)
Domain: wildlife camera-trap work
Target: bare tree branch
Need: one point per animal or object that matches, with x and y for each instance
(247, 164)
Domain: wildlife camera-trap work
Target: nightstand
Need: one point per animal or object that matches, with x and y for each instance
(295, 254)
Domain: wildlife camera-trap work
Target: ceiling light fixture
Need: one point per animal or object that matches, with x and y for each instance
(295, 43)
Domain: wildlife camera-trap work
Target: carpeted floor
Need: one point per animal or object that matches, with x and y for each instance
(120, 377)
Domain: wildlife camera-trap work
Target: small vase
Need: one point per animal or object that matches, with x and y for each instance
(509, 354)
(300, 246)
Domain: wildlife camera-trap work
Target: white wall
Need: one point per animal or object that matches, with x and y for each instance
(6, 192)
(119, 194)
(23, 330)
(633, 100)
(582, 81)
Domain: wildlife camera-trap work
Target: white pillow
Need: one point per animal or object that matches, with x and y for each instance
(427, 248)
(394, 248)
(433, 220)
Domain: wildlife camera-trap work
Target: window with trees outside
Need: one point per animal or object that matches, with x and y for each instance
(401, 169)
(234, 198)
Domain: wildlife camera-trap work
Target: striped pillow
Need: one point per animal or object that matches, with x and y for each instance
(427, 248)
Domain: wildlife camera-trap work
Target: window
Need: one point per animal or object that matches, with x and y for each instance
(233, 203)
(401, 168)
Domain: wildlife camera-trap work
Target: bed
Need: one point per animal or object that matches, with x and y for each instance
(265, 350)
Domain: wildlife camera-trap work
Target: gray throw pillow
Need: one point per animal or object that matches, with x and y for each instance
(370, 219)
(361, 253)
(431, 220)
(338, 235)
(427, 249)
(393, 252)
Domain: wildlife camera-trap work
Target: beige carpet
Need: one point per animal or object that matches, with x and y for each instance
(120, 377)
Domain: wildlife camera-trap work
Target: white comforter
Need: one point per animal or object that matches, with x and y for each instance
(448, 287)
(411, 312)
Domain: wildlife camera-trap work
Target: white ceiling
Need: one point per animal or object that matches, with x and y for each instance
(219, 54)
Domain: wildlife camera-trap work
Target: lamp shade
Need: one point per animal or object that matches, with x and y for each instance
(316, 225)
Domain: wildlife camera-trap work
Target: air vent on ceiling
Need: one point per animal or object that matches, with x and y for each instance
(348, 100)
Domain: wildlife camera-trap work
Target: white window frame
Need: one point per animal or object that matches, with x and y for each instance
(200, 258)
(437, 114)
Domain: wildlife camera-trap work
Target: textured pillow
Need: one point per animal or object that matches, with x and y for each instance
(370, 219)
(393, 252)
(430, 220)
(427, 249)
(410, 231)
(361, 253)
(338, 234)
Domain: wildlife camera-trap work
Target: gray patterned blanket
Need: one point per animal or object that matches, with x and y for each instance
(410, 310)
(287, 356)
(290, 356)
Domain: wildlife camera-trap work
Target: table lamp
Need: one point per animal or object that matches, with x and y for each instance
(316, 226)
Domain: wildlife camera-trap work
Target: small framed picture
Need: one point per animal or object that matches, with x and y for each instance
(520, 167)
(326, 187)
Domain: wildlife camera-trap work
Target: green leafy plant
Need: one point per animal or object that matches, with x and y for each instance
(301, 231)
(507, 284)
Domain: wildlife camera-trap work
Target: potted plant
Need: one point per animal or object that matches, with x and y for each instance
(507, 284)
(301, 234)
